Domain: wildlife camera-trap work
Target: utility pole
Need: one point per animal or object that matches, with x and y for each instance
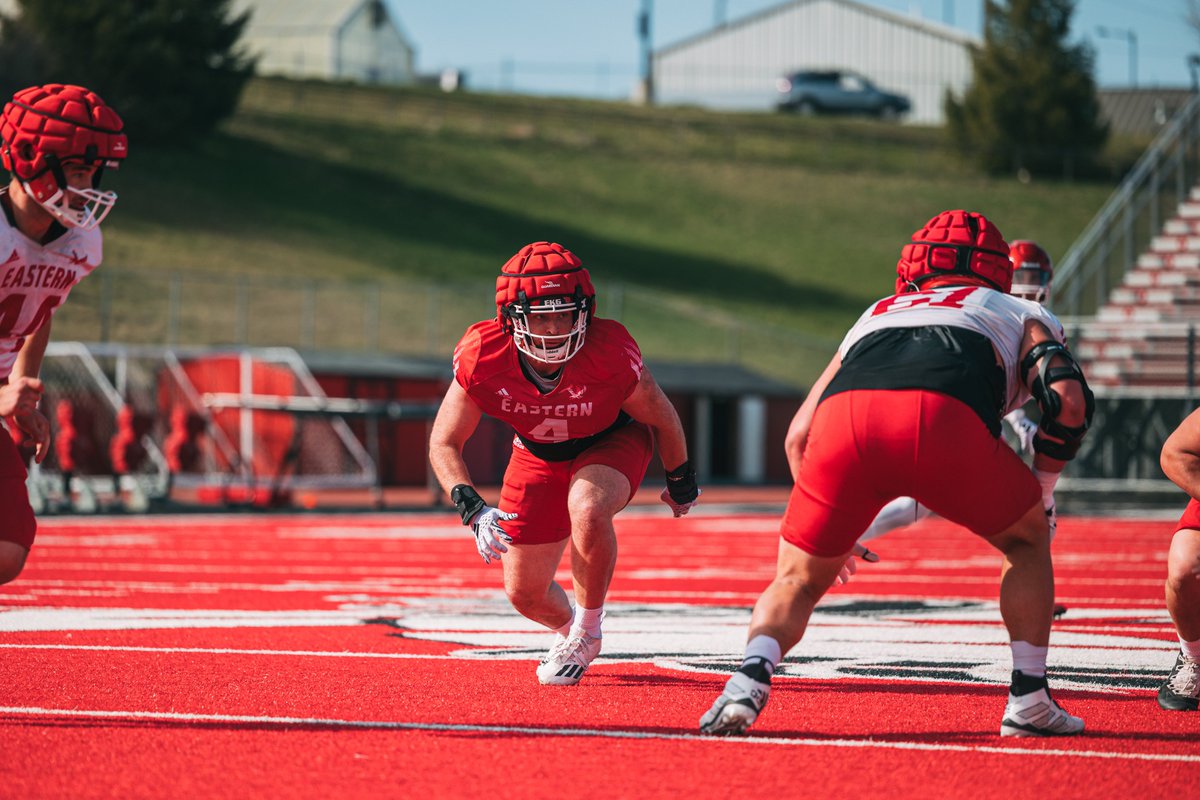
(647, 88)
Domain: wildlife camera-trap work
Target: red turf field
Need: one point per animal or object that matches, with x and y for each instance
(317, 656)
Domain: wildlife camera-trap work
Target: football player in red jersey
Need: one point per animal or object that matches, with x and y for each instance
(587, 415)
(910, 406)
(1181, 463)
(56, 141)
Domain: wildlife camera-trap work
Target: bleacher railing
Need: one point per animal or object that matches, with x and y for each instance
(1132, 216)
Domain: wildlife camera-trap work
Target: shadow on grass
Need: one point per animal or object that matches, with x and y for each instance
(245, 187)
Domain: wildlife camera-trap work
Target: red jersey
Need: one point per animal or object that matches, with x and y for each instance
(587, 400)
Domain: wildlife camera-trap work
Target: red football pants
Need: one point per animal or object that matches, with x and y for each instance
(867, 447)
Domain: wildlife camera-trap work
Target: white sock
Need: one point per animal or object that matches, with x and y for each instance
(1030, 660)
(588, 620)
(1190, 649)
(1047, 480)
(896, 514)
(764, 647)
(565, 630)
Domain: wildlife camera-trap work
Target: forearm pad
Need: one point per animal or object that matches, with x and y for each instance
(467, 501)
(681, 484)
(1063, 451)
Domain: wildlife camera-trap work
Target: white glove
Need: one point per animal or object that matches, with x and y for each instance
(490, 537)
(851, 566)
(1023, 427)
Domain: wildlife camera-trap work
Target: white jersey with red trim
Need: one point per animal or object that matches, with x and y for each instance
(35, 280)
(998, 316)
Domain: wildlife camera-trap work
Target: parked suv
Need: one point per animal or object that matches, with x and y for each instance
(837, 92)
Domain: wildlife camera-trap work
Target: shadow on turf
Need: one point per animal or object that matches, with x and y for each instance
(899, 736)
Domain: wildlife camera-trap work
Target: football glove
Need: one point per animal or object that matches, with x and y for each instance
(1023, 427)
(681, 492)
(484, 522)
(490, 537)
(1052, 518)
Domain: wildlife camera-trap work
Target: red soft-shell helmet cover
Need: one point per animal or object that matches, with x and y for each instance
(542, 270)
(954, 244)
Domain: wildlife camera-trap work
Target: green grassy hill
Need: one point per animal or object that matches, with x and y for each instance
(700, 228)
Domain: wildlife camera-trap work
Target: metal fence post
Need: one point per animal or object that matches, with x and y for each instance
(371, 314)
(174, 302)
(106, 295)
(241, 303)
(308, 316)
(1191, 358)
(431, 342)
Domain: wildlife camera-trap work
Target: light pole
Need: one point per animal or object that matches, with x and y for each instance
(1130, 37)
(643, 29)
(1193, 62)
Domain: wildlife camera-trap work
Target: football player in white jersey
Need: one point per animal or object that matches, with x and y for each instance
(910, 406)
(1033, 273)
(55, 141)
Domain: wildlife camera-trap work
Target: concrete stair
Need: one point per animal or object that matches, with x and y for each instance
(1140, 337)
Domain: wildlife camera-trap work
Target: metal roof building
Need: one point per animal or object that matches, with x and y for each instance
(355, 40)
(736, 65)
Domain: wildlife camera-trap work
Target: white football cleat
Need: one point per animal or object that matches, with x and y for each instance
(1032, 712)
(568, 659)
(738, 706)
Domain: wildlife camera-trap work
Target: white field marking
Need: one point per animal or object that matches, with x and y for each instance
(226, 651)
(252, 519)
(171, 716)
(102, 542)
(451, 530)
(717, 519)
(922, 579)
(325, 568)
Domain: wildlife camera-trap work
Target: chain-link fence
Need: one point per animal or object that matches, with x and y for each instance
(403, 318)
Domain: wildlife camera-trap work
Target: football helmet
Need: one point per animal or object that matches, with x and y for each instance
(955, 244)
(1032, 271)
(46, 127)
(545, 278)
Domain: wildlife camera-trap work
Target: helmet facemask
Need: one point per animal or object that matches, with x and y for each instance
(72, 206)
(557, 348)
(1031, 282)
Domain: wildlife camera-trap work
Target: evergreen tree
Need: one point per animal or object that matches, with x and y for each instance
(1032, 105)
(171, 68)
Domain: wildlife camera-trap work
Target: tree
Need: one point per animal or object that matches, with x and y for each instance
(1033, 104)
(171, 68)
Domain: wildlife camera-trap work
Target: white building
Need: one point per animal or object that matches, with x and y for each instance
(355, 40)
(736, 65)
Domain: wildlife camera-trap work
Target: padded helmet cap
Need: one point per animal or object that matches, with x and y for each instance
(956, 244)
(543, 270)
(67, 122)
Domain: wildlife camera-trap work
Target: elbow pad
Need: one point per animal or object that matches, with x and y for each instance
(1050, 401)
